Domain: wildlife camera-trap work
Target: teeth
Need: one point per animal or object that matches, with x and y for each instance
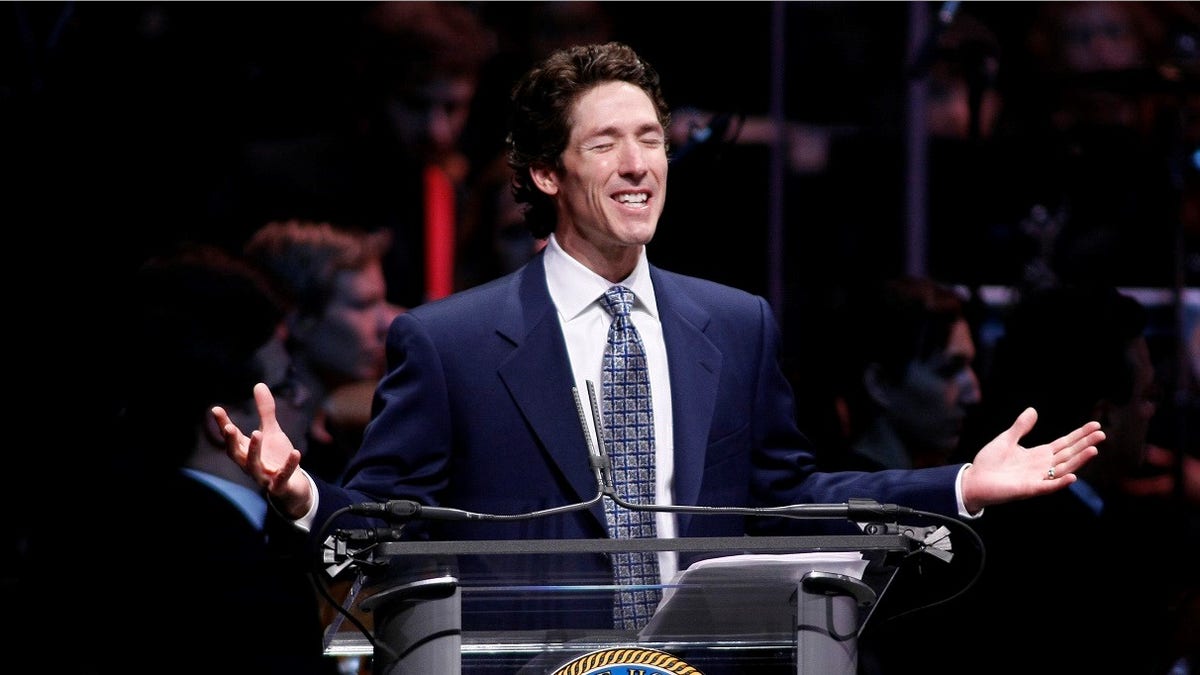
(632, 199)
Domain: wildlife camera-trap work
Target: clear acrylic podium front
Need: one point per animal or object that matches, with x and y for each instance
(763, 605)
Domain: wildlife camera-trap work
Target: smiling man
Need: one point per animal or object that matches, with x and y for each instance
(476, 411)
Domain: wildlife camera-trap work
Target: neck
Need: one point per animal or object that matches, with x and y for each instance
(614, 262)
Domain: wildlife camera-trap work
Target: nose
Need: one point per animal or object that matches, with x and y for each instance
(969, 389)
(633, 159)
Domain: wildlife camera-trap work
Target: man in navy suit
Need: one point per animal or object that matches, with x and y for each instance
(476, 411)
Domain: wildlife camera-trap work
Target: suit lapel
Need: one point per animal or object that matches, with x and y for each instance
(695, 364)
(538, 376)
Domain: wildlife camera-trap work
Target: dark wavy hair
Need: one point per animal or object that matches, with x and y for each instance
(540, 115)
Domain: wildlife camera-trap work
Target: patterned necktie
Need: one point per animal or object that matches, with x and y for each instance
(629, 426)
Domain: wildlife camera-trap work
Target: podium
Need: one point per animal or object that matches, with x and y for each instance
(787, 605)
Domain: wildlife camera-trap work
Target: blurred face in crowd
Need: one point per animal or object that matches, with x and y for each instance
(346, 342)
(291, 396)
(1098, 36)
(928, 407)
(1127, 424)
(612, 184)
(430, 117)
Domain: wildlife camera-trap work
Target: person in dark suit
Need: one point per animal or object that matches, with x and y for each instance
(476, 411)
(181, 589)
(1130, 558)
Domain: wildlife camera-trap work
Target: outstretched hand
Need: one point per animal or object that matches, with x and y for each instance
(1004, 470)
(267, 455)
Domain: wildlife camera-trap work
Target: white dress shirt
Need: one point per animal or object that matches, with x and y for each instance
(576, 292)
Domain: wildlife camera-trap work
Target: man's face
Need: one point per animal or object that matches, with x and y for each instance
(613, 182)
(929, 406)
(346, 343)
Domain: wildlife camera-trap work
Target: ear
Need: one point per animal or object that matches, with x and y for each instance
(875, 385)
(544, 178)
(298, 327)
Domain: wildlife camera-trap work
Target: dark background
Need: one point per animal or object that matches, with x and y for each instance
(118, 121)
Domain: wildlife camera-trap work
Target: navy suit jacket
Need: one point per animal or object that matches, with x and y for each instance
(476, 413)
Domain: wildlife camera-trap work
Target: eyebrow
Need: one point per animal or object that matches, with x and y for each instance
(612, 130)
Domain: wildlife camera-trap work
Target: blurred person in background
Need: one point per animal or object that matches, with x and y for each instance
(337, 324)
(398, 161)
(1132, 558)
(200, 326)
(907, 386)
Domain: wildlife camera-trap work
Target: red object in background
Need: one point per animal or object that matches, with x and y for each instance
(439, 233)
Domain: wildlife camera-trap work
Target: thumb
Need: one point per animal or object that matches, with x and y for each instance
(266, 407)
(1023, 424)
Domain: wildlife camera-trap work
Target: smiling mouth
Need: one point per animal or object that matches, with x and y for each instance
(632, 198)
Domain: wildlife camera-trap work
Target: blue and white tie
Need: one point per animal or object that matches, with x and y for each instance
(629, 427)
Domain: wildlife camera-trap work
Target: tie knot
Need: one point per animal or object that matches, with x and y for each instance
(618, 300)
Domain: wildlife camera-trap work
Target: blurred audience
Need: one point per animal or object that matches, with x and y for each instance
(908, 381)
(1096, 51)
(867, 201)
(399, 163)
(1131, 558)
(201, 327)
(1102, 129)
(337, 324)
(907, 385)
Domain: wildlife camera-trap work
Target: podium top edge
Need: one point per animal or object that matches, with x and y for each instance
(779, 544)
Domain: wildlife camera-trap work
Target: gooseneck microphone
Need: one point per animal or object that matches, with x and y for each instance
(404, 510)
(855, 509)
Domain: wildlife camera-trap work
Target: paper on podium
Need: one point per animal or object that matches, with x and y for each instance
(742, 595)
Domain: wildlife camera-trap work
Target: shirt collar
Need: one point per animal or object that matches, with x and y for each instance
(575, 288)
(250, 503)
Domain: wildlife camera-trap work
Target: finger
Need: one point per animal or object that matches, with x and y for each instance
(1077, 460)
(280, 479)
(233, 436)
(1022, 425)
(254, 453)
(266, 407)
(235, 443)
(1079, 438)
(220, 416)
(1091, 440)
